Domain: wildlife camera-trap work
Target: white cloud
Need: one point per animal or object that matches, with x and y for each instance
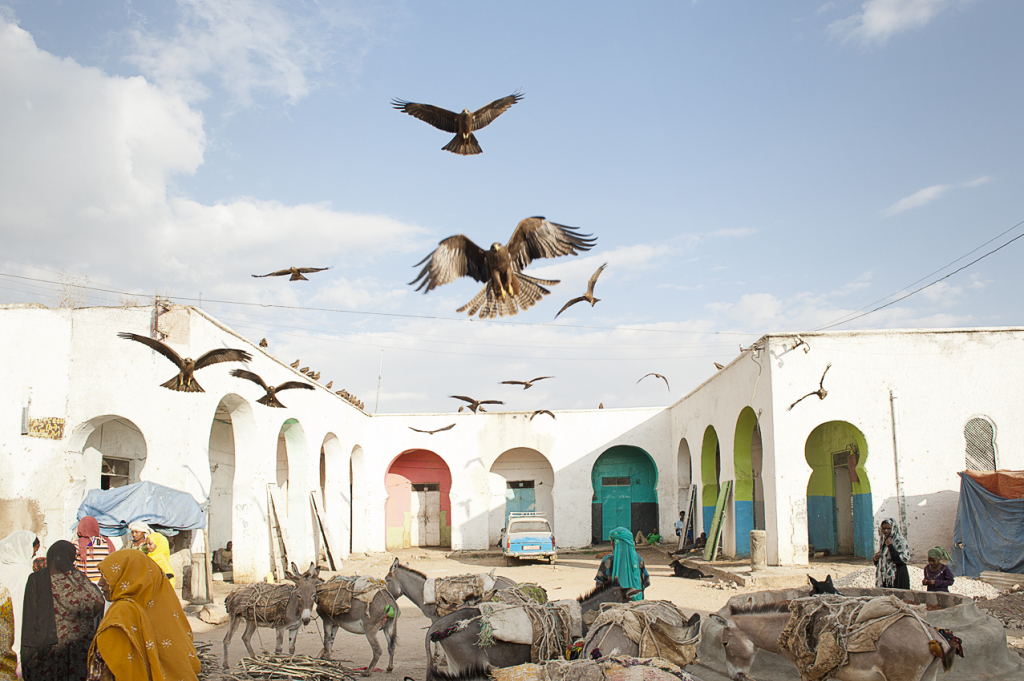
(925, 196)
(877, 20)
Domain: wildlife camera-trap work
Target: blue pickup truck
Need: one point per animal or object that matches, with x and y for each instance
(528, 535)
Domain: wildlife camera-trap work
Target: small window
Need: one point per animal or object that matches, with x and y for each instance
(615, 482)
(980, 436)
(114, 472)
(519, 484)
(426, 487)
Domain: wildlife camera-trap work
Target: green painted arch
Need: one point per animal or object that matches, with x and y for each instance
(708, 467)
(744, 470)
(827, 438)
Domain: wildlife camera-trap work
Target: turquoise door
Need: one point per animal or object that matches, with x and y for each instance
(615, 511)
(519, 498)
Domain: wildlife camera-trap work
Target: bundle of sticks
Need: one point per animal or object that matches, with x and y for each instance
(280, 667)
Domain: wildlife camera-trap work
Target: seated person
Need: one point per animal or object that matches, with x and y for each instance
(222, 559)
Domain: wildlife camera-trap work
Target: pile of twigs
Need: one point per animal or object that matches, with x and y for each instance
(275, 667)
(209, 664)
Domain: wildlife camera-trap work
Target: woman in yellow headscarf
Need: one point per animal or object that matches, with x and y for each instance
(160, 551)
(145, 634)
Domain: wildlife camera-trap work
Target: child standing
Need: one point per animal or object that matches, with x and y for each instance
(937, 575)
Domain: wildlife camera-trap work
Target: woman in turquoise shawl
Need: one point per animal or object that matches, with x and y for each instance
(624, 564)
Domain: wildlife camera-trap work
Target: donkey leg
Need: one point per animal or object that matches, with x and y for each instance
(250, 629)
(391, 636)
(293, 635)
(371, 636)
(227, 638)
(330, 629)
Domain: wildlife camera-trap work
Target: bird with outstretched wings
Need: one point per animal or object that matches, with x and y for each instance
(270, 399)
(462, 124)
(506, 288)
(296, 273)
(820, 392)
(474, 405)
(526, 384)
(185, 381)
(589, 295)
(431, 432)
(657, 376)
(541, 411)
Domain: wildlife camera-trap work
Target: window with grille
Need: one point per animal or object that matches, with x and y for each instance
(980, 436)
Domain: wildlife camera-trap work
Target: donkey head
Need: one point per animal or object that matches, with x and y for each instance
(303, 600)
(825, 587)
(391, 579)
(739, 649)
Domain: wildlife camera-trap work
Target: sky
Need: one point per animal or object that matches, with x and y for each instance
(746, 167)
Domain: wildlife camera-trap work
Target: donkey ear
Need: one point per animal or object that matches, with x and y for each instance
(295, 568)
(814, 582)
(828, 579)
(721, 620)
(491, 573)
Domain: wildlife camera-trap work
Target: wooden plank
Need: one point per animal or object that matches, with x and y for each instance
(1001, 580)
(323, 531)
(691, 498)
(278, 537)
(715, 535)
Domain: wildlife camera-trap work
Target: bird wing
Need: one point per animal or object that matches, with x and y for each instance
(537, 238)
(421, 431)
(442, 119)
(491, 402)
(570, 304)
(645, 376)
(440, 429)
(540, 378)
(821, 383)
(464, 399)
(454, 257)
(222, 355)
(155, 345)
(307, 270)
(483, 116)
(279, 273)
(593, 279)
(292, 385)
(800, 400)
(513, 382)
(249, 376)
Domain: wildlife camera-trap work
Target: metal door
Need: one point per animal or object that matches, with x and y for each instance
(844, 510)
(616, 502)
(520, 497)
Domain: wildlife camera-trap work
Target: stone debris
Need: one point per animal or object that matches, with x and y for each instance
(1007, 608)
(720, 585)
(964, 586)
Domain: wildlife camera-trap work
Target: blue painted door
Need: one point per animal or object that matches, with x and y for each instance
(615, 512)
(519, 499)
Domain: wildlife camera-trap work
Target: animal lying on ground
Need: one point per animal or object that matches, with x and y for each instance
(359, 617)
(680, 570)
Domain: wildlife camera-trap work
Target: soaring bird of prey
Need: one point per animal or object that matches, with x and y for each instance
(474, 404)
(541, 411)
(589, 295)
(296, 273)
(431, 432)
(294, 365)
(656, 376)
(270, 399)
(462, 124)
(506, 289)
(820, 392)
(526, 384)
(185, 382)
(263, 343)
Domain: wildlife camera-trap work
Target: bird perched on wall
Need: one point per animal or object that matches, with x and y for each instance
(296, 273)
(526, 384)
(315, 377)
(506, 289)
(589, 295)
(270, 399)
(329, 384)
(294, 365)
(820, 392)
(431, 432)
(719, 366)
(541, 411)
(263, 343)
(342, 392)
(474, 405)
(304, 370)
(185, 381)
(656, 376)
(601, 406)
(462, 124)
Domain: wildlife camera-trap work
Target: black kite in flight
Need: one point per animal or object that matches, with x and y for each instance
(589, 295)
(270, 399)
(296, 273)
(185, 382)
(820, 392)
(462, 124)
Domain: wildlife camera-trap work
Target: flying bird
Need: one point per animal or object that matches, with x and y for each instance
(656, 376)
(589, 295)
(185, 381)
(431, 432)
(263, 343)
(506, 289)
(294, 365)
(329, 384)
(270, 399)
(541, 411)
(296, 273)
(820, 392)
(526, 384)
(719, 366)
(462, 124)
(475, 404)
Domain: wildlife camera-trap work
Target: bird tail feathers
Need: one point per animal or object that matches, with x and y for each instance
(491, 304)
(466, 147)
(297, 276)
(180, 386)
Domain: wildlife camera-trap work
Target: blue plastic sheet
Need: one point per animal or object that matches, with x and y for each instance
(156, 505)
(989, 532)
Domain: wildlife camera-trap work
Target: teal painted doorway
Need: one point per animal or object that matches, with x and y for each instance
(625, 481)
(617, 504)
(520, 497)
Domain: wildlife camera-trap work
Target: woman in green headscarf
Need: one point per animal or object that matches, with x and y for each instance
(937, 575)
(624, 564)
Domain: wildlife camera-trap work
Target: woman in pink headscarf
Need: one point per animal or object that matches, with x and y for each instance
(92, 548)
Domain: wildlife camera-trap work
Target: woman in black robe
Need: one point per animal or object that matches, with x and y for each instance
(60, 614)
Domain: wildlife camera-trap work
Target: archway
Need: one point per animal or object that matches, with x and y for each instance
(521, 479)
(333, 492)
(290, 502)
(358, 494)
(418, 509)
(625, 482)
(839, 511)
(684, 473)
(114, 451)
(710, 470)
(747, 465)
(232, 430)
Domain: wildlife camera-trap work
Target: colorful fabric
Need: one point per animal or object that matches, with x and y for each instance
(943, 578)
(16, 553)
(626, 562)
(145, 634)
(939, 553)
(161, 554)
(92, 548)
(891, 569)
(8, 660)
(604, 570)
(59, 619)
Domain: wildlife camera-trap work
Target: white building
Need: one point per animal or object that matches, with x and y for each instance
(896, 401)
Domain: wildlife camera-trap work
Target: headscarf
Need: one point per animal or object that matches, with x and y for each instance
(626, 564)
(8, 660)
(145, 634)
(89, 529)
(885, 572)
(15, 567)
(161, 553)
(939, 553)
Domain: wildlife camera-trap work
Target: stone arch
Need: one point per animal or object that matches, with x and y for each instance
(334, 492)
(359, 487)
(418, 507)
(748, 493)
(625, 482)
(684, 476)
(292, 491)
(839, 512)
(520, 479)
(710, 472)
(233, 429)
(113, 449)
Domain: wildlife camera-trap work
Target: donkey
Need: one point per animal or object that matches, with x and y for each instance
(824, 587)
(610, 639)
(901, 654)
(402, 580)
(459, 632)
(282, 606)
(362, 618)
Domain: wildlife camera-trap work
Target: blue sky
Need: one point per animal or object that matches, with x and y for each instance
(747, 167)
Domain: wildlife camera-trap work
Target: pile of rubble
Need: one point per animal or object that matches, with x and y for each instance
(964, 586)
(720, 585)
(1008, 608)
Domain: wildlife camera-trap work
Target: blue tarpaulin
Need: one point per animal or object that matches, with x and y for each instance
(989, 531)
(155, 505)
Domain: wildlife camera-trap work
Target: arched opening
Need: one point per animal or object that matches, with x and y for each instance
(290, 502)
(521, 480)
(114, 451)
(839, 511)
(331, 500)
(749, 488)
(684, 473)
(418, 509)
(625, 482)
(980, 445)
(232, 426)
(358, 507)
(710, 470)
